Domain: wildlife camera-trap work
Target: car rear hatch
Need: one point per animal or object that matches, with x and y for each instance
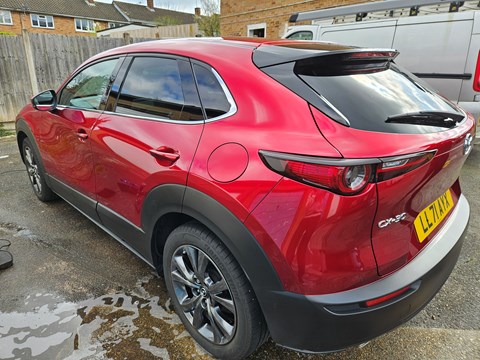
(419, 139)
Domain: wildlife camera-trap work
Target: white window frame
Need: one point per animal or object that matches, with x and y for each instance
(90, 29)
(4, 16)
(113, 25)
(44, 17)
(252, 27)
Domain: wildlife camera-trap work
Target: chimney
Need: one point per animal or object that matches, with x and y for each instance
(198, 11)
(150, 4)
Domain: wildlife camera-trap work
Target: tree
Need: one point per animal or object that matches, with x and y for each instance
(209, 22)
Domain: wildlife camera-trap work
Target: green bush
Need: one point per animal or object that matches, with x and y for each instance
(5, 132)
(7, 33)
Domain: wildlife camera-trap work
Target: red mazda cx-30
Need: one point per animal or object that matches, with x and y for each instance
(299, 190)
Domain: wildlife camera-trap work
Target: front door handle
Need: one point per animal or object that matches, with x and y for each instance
(165, 155)
(82, 134)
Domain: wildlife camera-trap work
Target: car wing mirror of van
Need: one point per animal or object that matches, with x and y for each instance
(45, 101)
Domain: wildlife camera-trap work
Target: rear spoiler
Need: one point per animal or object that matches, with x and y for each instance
(267, 55)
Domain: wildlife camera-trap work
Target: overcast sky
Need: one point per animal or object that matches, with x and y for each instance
(178, 5)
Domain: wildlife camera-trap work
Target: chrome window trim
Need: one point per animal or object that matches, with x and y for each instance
(151, 118)
(63, 107)
(228, 95)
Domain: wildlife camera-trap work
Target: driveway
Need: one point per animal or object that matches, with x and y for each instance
(75, 293)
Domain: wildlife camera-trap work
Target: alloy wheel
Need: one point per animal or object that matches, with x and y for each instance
(33, 170)
(203, 294)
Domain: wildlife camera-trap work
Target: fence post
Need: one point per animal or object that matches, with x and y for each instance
(30, 64)
(126, 38)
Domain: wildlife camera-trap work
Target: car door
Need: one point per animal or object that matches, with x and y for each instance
(64, 139)
(147, 137)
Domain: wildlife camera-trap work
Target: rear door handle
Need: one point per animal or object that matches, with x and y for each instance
(165, 155)
(82, 134)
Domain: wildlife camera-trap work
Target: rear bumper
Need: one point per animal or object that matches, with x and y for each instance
(323, 323)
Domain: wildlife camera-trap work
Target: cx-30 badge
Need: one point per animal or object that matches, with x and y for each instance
(384, 223)
(467, 146)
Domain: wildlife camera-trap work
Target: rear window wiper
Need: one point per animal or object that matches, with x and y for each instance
(428, 118)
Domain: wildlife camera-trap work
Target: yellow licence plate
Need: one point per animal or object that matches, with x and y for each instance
(429, 218)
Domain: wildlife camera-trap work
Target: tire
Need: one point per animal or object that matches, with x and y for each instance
(211, 294)
(36, 173)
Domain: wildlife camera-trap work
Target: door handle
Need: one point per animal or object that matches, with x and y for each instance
(166, 156)
(82, 134)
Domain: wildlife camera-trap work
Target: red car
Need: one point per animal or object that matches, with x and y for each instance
(303, 191)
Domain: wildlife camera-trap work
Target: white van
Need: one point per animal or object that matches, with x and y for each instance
(443, 48)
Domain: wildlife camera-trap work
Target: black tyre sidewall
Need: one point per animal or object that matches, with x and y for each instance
(46, 194)
(241, 342)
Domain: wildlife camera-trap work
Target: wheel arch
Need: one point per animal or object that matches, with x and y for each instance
(23, 131)
(169, 206)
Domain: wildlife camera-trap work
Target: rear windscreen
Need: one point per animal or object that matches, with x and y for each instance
(391, 100)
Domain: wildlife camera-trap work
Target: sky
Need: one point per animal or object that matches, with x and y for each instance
(178, 5)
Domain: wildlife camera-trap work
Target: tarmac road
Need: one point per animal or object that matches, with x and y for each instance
(75, 293)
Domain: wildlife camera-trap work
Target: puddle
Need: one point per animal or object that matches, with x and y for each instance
(115, 326)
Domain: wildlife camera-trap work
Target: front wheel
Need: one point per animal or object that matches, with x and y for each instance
(36, 173)
(211, 294)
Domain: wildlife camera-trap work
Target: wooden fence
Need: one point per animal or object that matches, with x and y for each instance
(34, 62)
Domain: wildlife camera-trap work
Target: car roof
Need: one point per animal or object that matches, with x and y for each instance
(215, 49)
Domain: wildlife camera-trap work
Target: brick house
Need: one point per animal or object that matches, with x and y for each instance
(267, 18)
(81, 17)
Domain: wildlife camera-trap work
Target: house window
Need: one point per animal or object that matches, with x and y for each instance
(84, 25)
(42, 21)
(112, 25)
(257, 30)
(5, 17)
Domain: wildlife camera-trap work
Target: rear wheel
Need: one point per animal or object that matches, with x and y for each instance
(36, 173)
(211, 294)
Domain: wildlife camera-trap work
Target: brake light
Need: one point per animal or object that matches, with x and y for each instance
(373, 55)
(476, 79)
(382, 299)
(396, 166)
(342, 176)
(339, 176)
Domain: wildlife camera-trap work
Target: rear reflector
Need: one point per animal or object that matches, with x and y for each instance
(374, 302)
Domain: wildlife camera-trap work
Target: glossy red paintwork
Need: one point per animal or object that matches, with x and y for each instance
(125, 170)
(65, 155)
(318, 242)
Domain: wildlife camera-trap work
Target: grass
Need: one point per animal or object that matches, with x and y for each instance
(5, 132)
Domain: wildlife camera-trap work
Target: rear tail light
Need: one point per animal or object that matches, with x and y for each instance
(342, 176)
(476, 79)
(396, 166)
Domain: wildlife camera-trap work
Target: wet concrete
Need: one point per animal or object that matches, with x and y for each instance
(75, 293)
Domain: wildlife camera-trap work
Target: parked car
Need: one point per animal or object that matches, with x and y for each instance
(443, 49)
(304, 191)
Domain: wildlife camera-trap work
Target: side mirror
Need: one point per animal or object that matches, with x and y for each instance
(45, 101)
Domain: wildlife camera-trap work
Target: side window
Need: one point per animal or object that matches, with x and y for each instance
(212, 95)
(301, 35)
(152, 87)
(86, 89)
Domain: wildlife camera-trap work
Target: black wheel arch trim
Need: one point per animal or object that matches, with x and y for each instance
(22, 126)
(230, 230)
